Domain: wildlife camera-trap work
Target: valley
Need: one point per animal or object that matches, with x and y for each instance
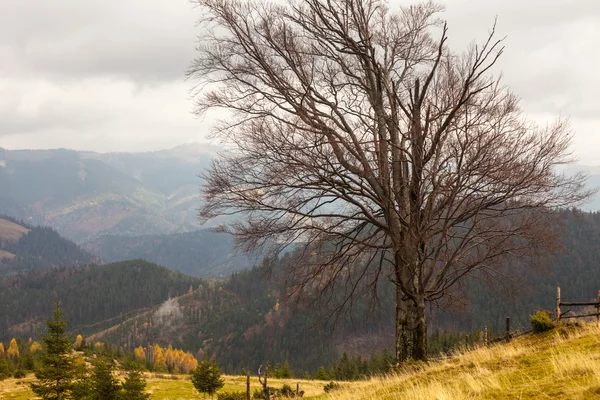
(133, 270)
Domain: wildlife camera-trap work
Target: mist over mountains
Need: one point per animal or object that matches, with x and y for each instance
(85, 195)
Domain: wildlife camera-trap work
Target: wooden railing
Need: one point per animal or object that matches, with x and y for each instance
(562, 315)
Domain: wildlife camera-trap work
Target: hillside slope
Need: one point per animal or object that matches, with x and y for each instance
(26, 248)
(562, 364)
(245, 321)
(246, 318)
(93, 297)
(11, 231)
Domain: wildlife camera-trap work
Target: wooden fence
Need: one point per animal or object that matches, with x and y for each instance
(561, 315)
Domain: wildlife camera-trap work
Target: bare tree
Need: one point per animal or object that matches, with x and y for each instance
(356, 132)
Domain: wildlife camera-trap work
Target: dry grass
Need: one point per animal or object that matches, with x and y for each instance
(563, 364)
(10, 231)
(16, 389)
(173, 387)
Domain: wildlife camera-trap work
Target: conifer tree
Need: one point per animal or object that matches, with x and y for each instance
(57, 371)
(321, 374)
(134, 386)
(4, 369)
(286, 371)
(207, 377)
(105, 385)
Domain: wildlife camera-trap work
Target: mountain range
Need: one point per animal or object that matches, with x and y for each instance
(84, 195)
(199, 253)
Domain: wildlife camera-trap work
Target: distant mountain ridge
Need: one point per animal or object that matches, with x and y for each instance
(198, 253)
(84, 195)
(25, 248)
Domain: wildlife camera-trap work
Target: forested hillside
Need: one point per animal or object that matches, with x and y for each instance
(199, 253)
(246, 319)
(92, 296)
(30, 248)
(245, 322)
(575, 268)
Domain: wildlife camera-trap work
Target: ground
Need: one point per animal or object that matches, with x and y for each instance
(561, 364)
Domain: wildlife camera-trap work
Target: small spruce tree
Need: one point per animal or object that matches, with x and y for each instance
(206, 377)
(56, 371)
(286, 371)
(134, 386)
(105, 385)
(321, 374)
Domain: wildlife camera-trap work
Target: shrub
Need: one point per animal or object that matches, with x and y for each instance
(20, 374)
(231, 396)
(287, 391)
(3, 376)
(331, 386)
(541, 321)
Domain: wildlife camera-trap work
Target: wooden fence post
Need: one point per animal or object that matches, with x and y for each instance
(485, 335)
(557, 304)
(248, 386)
(507, 329)
(598, 310)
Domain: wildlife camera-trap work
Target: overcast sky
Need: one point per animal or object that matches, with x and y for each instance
(108, 75)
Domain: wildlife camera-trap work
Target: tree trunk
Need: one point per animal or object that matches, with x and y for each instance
(405, 324)
(419, 348)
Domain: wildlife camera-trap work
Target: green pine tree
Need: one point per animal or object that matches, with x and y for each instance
(206, 378)
(106, 385)
(56, 371)
(4, 369)
(321, 374)
(83, 387)
(286, 371)
(134, 386)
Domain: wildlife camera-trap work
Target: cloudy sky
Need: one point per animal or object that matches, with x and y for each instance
(108, 75)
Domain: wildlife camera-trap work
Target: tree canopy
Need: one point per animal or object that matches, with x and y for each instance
(355, 130)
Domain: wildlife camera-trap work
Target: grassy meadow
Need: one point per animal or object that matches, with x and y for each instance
(560, 364)
(174, 387)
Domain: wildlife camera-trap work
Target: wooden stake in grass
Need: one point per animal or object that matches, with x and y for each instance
(485, 335)
(598, 310)
(507, 329)
(557, 304)
(248, 386)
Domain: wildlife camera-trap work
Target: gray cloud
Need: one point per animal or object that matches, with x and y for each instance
(134, 39)
(108, 75)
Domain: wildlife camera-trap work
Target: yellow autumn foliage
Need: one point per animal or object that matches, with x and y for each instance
(35, 347)
(13, 349)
